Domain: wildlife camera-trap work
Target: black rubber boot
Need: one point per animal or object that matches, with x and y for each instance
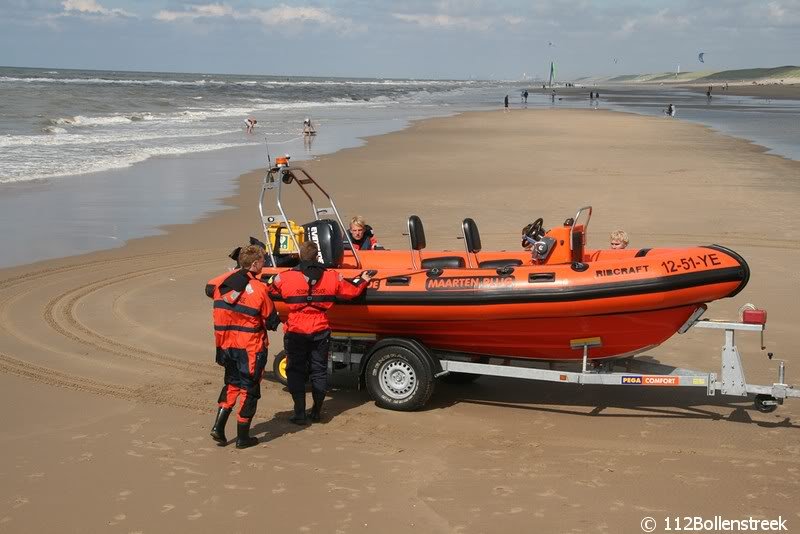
(315, 414)
(299, 416)
(218, 430)
(243, 439)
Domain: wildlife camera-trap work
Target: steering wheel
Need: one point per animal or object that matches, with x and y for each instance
(533, 231)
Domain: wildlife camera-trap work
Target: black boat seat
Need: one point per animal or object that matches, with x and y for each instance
(496, 264)
(444, 262)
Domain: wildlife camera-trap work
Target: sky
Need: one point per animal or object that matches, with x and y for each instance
(455, 39)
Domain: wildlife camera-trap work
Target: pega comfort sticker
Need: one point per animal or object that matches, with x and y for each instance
(651, 380)
(469, 282)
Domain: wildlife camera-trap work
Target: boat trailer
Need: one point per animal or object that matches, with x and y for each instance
(400, 373)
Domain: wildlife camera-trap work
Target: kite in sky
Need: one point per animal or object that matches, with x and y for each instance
(700, 57)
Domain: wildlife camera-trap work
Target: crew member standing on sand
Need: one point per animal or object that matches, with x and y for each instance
(242, 314)
(310, 290)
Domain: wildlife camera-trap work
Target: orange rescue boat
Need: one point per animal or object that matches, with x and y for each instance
(545, 304)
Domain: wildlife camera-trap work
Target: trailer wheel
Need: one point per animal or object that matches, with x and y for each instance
(459, 378)
(765, 403)
(399, 379)
(279, 368)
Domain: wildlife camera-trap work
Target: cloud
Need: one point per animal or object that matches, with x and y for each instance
(426, 20)
(91, 8)
(276, 16)
(513, 20)
(196, 12)
(662, 19)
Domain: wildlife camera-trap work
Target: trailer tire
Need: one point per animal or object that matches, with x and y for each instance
(399, 379)
(279, 368)
(459, 378)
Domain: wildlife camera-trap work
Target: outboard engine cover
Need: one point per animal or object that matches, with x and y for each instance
(327, 235)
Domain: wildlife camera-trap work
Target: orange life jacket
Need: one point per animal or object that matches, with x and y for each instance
(310, 290)
(243, 312)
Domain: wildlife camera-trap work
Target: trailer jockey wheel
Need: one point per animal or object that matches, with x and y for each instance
(765, 403)
(279, 368)
(399, 379)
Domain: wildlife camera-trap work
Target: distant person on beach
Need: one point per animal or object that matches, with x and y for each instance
(308, 128)
(361, 235)
(249, 124)
(525, 96)
(243, 312)
(670, 111)
(597, 95)
(553, 96)
(505, 103)
(619, 239)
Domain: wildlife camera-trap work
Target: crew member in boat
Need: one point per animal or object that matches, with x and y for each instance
(361, 235)
(310, 290)
(619, 239)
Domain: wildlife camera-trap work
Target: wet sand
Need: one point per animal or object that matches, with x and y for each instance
(107, 373)
(777, 91)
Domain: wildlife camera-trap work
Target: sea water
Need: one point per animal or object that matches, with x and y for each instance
(90, 159)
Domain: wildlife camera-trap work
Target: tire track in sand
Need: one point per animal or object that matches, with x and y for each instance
(59, 313)
(149, 393)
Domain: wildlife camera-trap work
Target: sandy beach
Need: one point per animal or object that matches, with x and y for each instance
(109, 383)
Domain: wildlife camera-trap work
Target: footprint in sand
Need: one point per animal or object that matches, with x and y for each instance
(123, 495)
(35, 476)
(21, 501)
(151, 445)
(240, 513)
(550, 493)
(280, 489)
(502, 491)
(135, 427)
(235, 487)
(117, 518)
(167, 508)
(194, 516)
